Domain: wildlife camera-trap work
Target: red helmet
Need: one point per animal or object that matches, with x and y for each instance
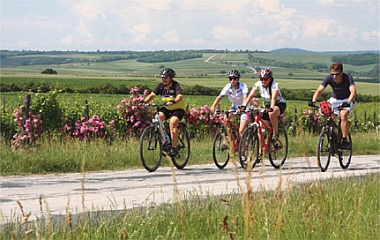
(325, 108)
(265, 73)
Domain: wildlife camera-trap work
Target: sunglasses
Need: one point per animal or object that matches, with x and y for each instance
(264, 79)
(234, 78)
(335, 74)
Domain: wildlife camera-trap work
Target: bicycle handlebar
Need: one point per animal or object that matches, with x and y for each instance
(340, 107)
(235, 112)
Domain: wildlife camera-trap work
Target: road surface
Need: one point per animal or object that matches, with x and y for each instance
(133, 188)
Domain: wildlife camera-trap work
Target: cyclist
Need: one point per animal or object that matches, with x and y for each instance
(236, 92)
(344, 92)
(171, 94)
(273, 101)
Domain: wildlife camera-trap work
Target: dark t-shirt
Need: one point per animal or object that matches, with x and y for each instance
(340, 90)
(168, 95)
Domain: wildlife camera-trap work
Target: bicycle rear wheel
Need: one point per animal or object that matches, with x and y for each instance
(279, 149)
(220, 151)
(150, 149)
(324, 151)
(249, 148)
(182, 158)
(345, 155)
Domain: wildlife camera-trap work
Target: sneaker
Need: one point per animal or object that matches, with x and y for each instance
(344, 145)
(173, 152)
(274, 137)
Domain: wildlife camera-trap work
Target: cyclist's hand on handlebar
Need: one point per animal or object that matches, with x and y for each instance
(241, 108)
(345, 104)
(311, 104)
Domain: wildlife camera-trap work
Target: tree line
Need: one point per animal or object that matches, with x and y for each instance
(107, 88)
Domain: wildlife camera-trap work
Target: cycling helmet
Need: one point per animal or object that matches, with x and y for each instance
(167, 72)
(325, 108)
(233, 74)
(265, 73)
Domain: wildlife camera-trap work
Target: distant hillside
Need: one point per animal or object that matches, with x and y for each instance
(302, 51)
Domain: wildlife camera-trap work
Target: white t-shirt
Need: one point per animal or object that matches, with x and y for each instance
(264, 92)
(235, 97)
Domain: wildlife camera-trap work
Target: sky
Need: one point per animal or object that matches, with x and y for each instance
(152, 25)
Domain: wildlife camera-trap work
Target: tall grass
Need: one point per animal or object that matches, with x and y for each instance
(340, 208)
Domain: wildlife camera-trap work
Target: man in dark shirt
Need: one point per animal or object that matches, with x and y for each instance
(344, 92)
(171, 94)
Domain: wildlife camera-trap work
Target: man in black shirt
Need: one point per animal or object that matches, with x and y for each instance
(344, 92)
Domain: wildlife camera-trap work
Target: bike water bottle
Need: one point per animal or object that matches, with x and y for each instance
(167, 137)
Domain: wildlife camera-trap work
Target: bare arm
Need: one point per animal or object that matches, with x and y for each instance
(318, 92)
(149, 98)
(352, 94)
(249, 97)
(216, 102)
(273, 100)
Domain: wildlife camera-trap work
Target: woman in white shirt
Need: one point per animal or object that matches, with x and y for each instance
(236, 92)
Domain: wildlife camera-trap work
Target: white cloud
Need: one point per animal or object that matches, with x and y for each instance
(316, 28)
(189, 24)
(375, 34)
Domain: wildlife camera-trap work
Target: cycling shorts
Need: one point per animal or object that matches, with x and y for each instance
(170, 113)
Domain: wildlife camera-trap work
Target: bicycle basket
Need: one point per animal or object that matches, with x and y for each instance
(325, 108)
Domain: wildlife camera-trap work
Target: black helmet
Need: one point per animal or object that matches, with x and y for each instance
(167, 72)
(266, 73)
(233, 74)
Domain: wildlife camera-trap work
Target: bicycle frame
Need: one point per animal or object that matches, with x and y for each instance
(155, 142)
(157, 122)
(230, 125)
(260, 124)
(331, 147)
(329, 126)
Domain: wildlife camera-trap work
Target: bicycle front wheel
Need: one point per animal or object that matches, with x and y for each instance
(150, 149)
(249, 148)
(279, 149)
(220, 151)
(182, 158)
(324, 151)
(345, 155)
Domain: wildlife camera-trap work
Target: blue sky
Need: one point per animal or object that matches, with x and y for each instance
(141, 25)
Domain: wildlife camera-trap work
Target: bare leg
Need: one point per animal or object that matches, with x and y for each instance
(273, 116)
(344, 122)
(174, 121)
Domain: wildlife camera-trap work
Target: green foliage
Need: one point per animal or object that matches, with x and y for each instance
(49, 71)
(357, 59)
(47, 106)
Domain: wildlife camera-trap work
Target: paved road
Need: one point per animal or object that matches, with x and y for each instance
(133, 188)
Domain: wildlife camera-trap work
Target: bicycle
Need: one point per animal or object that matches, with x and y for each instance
(329, 141)
(155, 142)
(226, 138)
(249, 154)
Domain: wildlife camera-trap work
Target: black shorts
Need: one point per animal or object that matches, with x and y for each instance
(176, 112)
(282, 107)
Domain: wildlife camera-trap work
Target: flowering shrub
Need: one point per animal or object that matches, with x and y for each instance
(132, 117)
(29, 130)
(310, 121)
(202, 122)
(91, 128)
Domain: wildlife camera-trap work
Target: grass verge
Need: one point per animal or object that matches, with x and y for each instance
(340, 208)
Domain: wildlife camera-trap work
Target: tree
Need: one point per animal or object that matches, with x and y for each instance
(49, 71)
